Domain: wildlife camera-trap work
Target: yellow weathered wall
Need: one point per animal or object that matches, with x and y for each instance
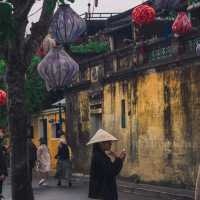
(52, 142)
(162, 128)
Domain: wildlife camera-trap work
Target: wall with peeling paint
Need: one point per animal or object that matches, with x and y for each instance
(162, 123)
(79, 129)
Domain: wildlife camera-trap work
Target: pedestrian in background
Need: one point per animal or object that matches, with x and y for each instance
(64, 163)
(3, 167)
(43, 162)
(105, 166)
(197, 188)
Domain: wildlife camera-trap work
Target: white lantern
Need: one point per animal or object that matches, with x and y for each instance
(58, 69)
(66, 25)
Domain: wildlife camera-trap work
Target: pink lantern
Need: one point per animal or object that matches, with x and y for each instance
(3, 98)
(182, 24)
(48, 43)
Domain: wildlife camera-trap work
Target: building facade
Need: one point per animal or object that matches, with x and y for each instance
(145, 91)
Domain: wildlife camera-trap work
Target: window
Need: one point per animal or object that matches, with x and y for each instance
(123, 114)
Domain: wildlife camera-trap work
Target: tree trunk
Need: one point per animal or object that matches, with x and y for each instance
(21, 185)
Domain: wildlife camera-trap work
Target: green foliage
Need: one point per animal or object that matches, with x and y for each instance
(2, 66)
(7, 30)
(3, 117)
(90, 47)
(34, 88)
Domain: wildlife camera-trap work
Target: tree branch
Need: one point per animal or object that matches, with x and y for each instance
(22, 9)
(39, 29)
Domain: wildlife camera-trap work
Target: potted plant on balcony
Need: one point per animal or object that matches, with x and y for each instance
(90, 48)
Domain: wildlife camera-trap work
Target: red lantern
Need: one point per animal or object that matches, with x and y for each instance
(143, 14)
(3, 98)
(40, 52)
(182, 24)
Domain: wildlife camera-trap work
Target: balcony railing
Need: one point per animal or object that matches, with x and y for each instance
(140, 55)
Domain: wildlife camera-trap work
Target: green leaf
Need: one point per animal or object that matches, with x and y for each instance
(90, 47)
(2, 66)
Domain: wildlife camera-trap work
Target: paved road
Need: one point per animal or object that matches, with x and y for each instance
(77, 192)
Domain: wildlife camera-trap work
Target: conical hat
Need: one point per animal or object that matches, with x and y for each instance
(101, 136)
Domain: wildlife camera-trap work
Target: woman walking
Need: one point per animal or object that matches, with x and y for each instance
(43, 162)
(105, 166)
(64, 164)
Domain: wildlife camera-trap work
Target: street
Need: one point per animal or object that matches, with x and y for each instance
(77, 192)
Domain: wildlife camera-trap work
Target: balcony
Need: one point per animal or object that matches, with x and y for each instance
(151, 54)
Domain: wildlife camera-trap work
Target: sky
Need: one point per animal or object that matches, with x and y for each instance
(81, 6)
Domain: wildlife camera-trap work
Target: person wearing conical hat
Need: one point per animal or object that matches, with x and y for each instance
(105, 166)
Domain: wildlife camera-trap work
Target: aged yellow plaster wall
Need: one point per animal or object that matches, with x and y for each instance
(80, 122)
(162, 123)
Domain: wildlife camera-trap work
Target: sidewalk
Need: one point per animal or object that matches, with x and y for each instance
(145, 190)
(149, 190)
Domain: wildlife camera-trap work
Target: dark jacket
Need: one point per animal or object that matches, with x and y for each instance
(3, 166)
(63, 152)
(103, 174)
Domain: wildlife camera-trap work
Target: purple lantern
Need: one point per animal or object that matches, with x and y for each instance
(58, 69)
(66, 25)
(166, 4)
(198, 49)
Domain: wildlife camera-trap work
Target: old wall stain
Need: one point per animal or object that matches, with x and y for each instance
(162, 130)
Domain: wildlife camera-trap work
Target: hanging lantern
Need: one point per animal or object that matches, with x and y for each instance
(57, 68)
(3, 98)
(48, 43)
(143, 14)
(198, 49)
(66, 25)
(182, 24)
(166, 4)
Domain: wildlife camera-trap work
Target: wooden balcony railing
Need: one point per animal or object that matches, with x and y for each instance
(146, 54)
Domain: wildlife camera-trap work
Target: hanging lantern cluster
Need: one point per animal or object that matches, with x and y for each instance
(182, 24)
(57, 69)
(143, 14)
(166, 4)
(3, 98)
(66, 25)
